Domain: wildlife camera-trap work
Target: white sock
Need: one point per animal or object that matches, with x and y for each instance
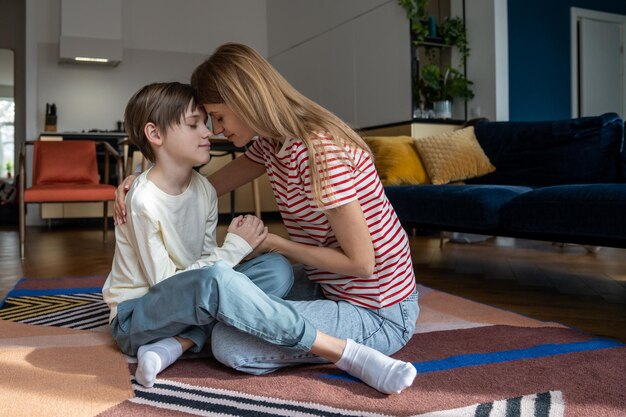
(376, 369)
(155, 357)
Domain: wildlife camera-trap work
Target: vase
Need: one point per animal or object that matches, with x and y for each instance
(443, 109)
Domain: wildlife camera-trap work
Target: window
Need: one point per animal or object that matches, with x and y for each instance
(7, 137)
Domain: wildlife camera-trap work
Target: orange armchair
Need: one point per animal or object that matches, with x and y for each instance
(65, 172)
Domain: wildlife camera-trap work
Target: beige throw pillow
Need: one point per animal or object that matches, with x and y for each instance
(453, 156)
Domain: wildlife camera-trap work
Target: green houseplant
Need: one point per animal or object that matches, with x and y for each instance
(438, 88)
(417, 13)
(438, 83)
(452, 30)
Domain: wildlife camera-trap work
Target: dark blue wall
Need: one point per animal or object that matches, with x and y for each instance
(539, 55)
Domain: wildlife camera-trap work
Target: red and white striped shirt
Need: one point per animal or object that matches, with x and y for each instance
(287, 167)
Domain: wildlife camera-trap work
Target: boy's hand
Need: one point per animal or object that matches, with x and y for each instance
(266, 246)
(250, 228)
(119, 215)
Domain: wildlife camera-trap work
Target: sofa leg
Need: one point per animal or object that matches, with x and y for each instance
(592, 249)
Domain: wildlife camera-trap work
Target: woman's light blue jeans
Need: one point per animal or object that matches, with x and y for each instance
(189, 304)
(386, 330)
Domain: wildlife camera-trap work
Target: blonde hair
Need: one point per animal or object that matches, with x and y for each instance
(163, 104)
(241, 78)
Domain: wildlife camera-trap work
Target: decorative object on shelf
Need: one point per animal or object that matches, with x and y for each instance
(51, 118)
(437, 87)
(443, 109)
(9, 169)
(432, 26)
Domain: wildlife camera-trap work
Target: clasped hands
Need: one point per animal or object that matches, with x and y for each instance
(252, 230)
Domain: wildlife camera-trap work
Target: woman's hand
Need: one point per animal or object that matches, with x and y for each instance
(268, 245)
(250, 228)
(119, 215)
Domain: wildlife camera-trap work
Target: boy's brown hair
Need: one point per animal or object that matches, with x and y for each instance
(163, 104)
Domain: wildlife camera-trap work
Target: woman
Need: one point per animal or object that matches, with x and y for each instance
(342, 228)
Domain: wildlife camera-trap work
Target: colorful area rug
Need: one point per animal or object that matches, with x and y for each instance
(472, 360)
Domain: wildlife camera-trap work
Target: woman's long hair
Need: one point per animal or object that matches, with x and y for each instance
(239, 77)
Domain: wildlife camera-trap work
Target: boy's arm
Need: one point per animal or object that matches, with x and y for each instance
(234, 249)
(152, 254)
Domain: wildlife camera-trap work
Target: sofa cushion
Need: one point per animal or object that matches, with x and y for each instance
(453, 156)
(396, 160)
(465, 206)
(587, 210)
(575, 151)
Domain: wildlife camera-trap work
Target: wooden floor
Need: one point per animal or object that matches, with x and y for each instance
(538, 279)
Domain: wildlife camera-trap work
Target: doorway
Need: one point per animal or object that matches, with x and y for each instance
(598, 63)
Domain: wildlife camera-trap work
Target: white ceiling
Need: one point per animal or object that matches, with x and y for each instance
(6, 67)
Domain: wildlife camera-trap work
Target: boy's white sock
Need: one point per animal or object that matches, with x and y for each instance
(155, 357)
(376, 369)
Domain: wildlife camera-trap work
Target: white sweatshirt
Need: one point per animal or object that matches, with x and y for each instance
(166, 234)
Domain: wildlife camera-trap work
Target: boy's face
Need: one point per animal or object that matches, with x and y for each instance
(188, 141)
(224, 120)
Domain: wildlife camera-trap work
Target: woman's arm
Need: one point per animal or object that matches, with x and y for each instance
(355, 257)
(236, 173)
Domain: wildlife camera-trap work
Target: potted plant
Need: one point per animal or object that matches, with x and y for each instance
(452, 30)
(438, 88)
(417, 13)
(436, 83)
(9, 168)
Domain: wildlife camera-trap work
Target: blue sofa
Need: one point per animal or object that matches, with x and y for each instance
(561, 181)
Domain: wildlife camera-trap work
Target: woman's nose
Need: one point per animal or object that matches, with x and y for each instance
(217, 128)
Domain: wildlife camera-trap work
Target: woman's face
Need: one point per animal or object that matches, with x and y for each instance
(224, 120)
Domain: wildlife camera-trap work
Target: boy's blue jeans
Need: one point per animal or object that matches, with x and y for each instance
(189, 304)
(251, 330)
(386, 330)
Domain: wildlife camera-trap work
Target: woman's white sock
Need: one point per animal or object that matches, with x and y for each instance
(387, 375)
(155, 357)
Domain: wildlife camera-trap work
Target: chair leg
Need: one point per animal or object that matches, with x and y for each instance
(442, 239)
(106, 220)
(22, 213)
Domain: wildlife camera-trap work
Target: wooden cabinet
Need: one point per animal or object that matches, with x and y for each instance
(416, 129)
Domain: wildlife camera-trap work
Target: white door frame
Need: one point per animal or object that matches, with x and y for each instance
(575, 15)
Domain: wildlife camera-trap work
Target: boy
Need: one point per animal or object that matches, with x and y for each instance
(163, 287)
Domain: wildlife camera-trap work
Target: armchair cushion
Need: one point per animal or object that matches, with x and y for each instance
(67, 162)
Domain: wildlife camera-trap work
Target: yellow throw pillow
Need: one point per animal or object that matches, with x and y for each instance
(453, 156)
(396, 160)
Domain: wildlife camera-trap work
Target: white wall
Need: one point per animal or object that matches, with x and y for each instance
(350, 56)
(163, 41)
(488, 64)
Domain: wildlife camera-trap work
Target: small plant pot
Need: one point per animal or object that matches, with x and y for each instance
(443, 109)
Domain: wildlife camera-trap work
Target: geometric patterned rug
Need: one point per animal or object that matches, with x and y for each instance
(185, 398)
(76, 308)
(472, 360)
